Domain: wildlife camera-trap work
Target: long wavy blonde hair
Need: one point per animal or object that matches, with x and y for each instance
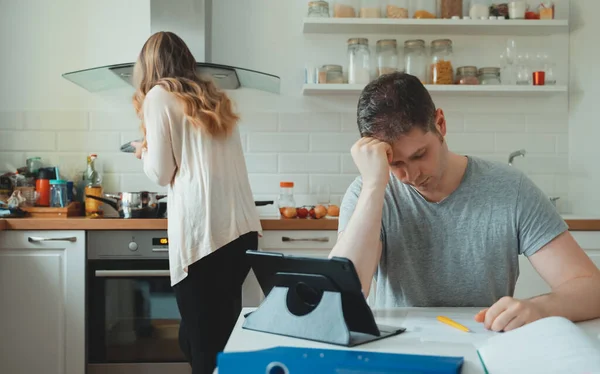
(166, 61)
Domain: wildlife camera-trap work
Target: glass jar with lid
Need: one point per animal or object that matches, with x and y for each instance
(345, 8)
(396, 8)
(359, 61)
(319, 9)
(467, 75)
(489, 76)
(441, 70)
(333, 74)
(286, 202)
(424, 8)
(415, 59)
(451, 8)
(370, 9)
(387, 56)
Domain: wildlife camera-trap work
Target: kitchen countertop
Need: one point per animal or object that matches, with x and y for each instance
(82, 223)
(576, 223)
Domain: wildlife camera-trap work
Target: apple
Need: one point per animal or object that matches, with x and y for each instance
(302, 212)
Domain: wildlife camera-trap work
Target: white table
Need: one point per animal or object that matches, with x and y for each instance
(247, 340)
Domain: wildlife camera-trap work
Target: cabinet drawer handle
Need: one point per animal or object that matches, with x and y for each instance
(131, 273)
(37, 239)
(288, 239)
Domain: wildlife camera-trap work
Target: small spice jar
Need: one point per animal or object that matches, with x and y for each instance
(441, 70)
(387, 56)
(489, 76)
(467, 75)
(319, 9)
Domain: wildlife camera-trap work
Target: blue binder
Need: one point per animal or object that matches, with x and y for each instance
(292, 360)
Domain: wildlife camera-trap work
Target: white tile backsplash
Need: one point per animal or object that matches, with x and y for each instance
(258, 122)
(308, 148)
(551, 123)
(56, 120)
(97, 141)
(536, 143)
(261, 163)
(309, 122)
(309, 163)
(268, 184)
(117, 121)
(278, 142)
(470, 143)
(493, 122)
(348, 165)
(337, 183)
(11, 120)
(27, 140)
(341, 143)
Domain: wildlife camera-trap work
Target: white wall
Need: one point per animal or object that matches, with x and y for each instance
(584, 127)
(286, 137)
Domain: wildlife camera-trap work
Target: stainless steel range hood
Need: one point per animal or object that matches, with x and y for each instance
(191, 20)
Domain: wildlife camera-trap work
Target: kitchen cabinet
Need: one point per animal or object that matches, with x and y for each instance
(42, 287)
(531, 284)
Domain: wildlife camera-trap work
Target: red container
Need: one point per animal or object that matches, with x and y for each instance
(539, 78)
(42, 187)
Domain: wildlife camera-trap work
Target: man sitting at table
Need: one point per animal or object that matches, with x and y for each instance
(446, 229)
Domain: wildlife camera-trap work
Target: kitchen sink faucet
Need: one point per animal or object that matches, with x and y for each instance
(511, 157)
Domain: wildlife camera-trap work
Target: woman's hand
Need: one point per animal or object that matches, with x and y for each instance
(138, 149)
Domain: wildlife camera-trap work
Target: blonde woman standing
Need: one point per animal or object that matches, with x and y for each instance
(192, 146)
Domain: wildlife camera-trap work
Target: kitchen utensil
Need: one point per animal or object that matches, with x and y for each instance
(128, 148)
(131, 204)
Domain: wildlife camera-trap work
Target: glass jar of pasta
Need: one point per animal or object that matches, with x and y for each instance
(441, 70)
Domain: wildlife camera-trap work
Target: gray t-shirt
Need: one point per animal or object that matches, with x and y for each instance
(463, 251)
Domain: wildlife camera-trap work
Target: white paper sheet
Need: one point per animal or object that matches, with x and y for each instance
(424, 325)
(551, 345)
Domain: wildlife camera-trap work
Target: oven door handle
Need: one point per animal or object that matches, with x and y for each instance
(131, 273)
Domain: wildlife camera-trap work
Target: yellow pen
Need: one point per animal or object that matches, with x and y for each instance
(450, 322)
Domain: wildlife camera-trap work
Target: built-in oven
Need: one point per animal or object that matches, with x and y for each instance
(132, 318)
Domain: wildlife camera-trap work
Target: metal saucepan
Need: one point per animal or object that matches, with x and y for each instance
(134, 204)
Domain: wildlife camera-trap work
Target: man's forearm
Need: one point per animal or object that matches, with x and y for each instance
(360, 241)
(576, 300)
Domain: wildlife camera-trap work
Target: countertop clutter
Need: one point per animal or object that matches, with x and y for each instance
(575, 223)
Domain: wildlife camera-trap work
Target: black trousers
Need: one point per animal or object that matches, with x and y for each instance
(210, 301)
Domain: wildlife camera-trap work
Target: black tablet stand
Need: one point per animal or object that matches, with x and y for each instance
(306, 306)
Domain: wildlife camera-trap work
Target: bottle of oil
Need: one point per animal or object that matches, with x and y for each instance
(93, 187)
